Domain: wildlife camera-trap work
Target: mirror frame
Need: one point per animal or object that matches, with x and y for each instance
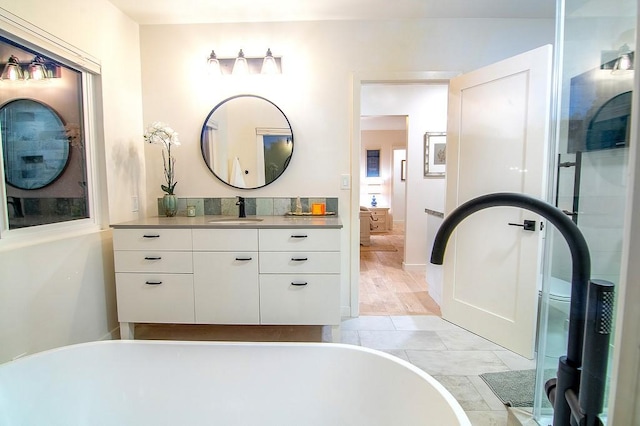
(204, 126)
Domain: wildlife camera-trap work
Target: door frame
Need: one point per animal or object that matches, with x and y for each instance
(357, 80)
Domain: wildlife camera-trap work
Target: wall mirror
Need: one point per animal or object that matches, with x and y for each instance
(34, 144)
(246, 141)
(610, 125)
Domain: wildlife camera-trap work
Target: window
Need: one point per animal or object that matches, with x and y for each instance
(44, 144)
(373, 163)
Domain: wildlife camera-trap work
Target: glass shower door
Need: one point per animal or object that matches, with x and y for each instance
(594, 71)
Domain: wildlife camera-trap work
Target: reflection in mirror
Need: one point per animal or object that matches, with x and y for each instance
(246, 141)
(610, 126)
(34, 144)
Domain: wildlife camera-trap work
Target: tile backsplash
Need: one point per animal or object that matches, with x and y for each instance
(265, 206)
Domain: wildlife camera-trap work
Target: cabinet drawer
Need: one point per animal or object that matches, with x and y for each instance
(164, 298)
(148, 261)
(379, 226)
(226, 288)
(225, 239)
(299, 239)
(300, 262)
(315, 300)
(152, 239)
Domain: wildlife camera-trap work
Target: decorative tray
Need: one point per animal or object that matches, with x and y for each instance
(310, 214)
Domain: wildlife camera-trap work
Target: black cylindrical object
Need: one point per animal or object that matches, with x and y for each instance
(595, 354)
(568, 378)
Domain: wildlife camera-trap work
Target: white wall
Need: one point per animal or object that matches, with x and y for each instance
(62, 291)
(399, 191)
(319, 62)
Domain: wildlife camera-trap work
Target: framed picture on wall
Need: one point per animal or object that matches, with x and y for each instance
(373, 163)
(435, 154)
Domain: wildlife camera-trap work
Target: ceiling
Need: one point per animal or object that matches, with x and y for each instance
(221, 11)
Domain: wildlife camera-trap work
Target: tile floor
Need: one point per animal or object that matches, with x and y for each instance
(453, 356)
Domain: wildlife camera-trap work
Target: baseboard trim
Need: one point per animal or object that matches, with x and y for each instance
(414, 267)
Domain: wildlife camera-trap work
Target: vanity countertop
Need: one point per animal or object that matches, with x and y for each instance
(218, 222)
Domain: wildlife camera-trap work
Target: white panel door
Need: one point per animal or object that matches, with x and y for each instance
(497, 141)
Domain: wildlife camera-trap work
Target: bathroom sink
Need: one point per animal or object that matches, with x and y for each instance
(236, 220)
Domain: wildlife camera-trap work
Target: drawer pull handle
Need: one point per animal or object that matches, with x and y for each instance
(298, 236)
(243, 258)
(152, 258)
(151, 236)
(299, 284)
(153, 282)
(299, 259)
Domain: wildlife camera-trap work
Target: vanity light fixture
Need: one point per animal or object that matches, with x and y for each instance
(241, 66)
(618, 61)
(624, 62)
(12, 70)
(36, 69)
(244, 65)
(269, 65)
(213, 65)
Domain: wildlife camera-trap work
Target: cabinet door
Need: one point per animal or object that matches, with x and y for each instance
(226, 287)
(164, 298)
(300, 299)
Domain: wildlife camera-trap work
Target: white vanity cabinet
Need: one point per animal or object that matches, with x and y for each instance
(154, 276)
(225, 266)
(299, 276)
(193, 272)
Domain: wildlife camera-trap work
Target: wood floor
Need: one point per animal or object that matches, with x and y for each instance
(385, 288)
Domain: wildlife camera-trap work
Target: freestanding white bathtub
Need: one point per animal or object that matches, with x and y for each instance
(211, 383)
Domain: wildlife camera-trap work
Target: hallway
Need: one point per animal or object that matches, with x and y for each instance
(385, 288)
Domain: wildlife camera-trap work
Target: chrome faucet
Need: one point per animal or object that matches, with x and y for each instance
(240, 204)
(570, 394)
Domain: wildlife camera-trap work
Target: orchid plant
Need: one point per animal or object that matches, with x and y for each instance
(162, 134)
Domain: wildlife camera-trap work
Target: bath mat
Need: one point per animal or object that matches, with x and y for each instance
(382, 247)
(513, 388)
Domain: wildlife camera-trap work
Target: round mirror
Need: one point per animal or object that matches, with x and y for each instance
(34, 144)
(610, 126)
(246, 141)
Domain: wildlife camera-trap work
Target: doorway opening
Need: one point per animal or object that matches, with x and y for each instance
(385, 287)
(395, 115)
